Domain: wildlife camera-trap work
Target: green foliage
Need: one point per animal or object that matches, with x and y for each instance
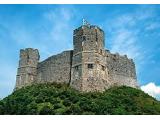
(56, 99)
(1, 108)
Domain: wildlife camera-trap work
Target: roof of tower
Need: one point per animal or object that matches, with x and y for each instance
(86, 24)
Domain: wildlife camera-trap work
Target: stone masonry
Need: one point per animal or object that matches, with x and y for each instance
(88, 67)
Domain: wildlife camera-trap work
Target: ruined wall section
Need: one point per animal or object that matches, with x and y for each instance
(121, 70)
(56, 68)
(27, 70)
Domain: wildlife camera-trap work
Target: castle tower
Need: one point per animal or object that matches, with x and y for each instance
(89, 72)
(27, 70)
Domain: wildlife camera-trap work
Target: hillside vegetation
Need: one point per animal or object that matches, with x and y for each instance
(60, 99)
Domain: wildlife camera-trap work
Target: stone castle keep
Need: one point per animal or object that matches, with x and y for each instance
(88, 67)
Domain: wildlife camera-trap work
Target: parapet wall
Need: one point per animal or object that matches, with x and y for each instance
(56, 68)
(121, 70)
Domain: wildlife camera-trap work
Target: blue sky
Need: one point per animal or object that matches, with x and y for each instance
(129, 29)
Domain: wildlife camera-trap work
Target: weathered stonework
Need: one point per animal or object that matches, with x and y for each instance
(89, 67)
(56, 68)
(27, 71)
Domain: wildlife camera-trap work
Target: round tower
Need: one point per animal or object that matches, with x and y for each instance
(27, 70)
(89, 70)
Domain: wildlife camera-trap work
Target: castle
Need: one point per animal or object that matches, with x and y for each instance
(88, 67)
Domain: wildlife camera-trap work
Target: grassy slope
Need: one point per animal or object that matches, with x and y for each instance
(60, 99)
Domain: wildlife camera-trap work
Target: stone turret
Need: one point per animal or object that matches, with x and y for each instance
(89, 70)
(27, 70)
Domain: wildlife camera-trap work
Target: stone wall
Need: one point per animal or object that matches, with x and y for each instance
(121, 70)
(89, 67)
(56, 68)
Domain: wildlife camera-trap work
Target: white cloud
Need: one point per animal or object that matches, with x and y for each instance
(153, 26)
(125, 42)
(126, 35)
(152, 90)
(126, 31)
(61, 29)
(55, 32)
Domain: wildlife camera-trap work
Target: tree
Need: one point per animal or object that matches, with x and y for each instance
(1, 108)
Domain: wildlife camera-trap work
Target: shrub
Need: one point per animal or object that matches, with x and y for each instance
(60, 99)
(66, 102)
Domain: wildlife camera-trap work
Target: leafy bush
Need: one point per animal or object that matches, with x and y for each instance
(60, 99)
